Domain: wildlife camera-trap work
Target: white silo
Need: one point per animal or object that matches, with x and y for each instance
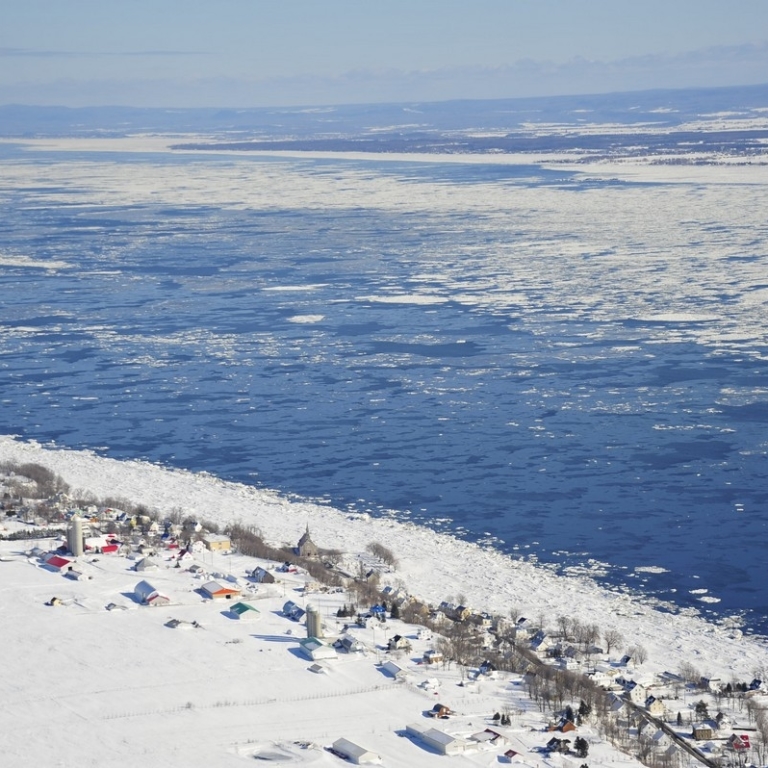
(75, 536)
(314, 622)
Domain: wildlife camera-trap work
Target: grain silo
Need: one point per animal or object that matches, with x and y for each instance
(75, 536)
(314, 622)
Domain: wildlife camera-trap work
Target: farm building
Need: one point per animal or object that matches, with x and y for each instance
(245, 612)
(215, 591)
(356, 755)
(316, 650)
(146, 594)
(441, 742)
(57, 564)
(394, 670)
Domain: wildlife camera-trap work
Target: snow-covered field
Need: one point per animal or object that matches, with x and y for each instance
(87, 686)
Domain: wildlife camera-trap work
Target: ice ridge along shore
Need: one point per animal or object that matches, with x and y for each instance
(432, 566)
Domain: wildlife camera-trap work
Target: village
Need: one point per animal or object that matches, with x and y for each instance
(305, 653)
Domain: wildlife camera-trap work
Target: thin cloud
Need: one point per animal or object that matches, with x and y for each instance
(48, 54)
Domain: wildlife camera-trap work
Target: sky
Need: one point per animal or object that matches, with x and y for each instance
(252, 53)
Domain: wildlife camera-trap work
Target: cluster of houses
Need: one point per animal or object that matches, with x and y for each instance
(645, 702)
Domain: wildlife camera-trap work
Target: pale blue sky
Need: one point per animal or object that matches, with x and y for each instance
(253, 53)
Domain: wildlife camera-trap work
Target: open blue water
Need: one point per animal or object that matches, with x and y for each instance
(268, 345)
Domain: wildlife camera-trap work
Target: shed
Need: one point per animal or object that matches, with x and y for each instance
(244, 612)
(147, 564)
(356, 754)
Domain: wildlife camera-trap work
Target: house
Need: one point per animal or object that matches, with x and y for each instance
(558, 745)
(146, 594)
(356, 755)
(488, 669)
(655, 706)
(262, 576)
(636, 693)
(702, 732)
(398, 643)
(184, 558)
(540, 641)
(110, 549)
(215, 591)
(738, 742)
(306, 547)
(661, 739)
(441, 742)
(431, 656)
(316, 650)
(510, 756)
(216, 542)
(244, 612)
(351, 644)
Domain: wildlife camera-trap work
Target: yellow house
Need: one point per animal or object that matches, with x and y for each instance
(216, 542)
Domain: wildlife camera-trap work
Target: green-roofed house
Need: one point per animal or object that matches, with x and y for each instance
(245, 612)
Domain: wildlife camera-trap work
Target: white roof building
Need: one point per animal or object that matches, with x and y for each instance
(440, 741)
(356, 755)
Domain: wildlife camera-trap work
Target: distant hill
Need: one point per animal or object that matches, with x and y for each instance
(334, 123)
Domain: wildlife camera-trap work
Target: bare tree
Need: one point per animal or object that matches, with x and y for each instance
(383, 553)
(612, 638)
(639, 654)
(689, 673)
(761, 736)
(564, 623)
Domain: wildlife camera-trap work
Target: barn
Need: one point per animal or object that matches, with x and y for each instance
(146, 594)
(215, 591)
(356, 755)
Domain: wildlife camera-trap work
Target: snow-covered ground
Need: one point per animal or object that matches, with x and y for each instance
(87, 686)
